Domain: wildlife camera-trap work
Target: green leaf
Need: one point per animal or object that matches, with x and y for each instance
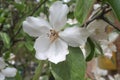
(83, 7)
(6, 39)
(92, 49)
(115, 4)
(6, 55)
(2, 19)
(29, 45)
(73, 68)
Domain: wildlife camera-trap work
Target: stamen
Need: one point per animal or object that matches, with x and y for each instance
(53, 35)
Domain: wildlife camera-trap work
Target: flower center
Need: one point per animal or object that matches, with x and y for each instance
(53, 35)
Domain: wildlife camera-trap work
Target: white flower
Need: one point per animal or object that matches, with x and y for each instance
(6, 71)
(97, 29)
(98, 73)
(108, 48)
(52, 43)
(9, 72)
(2, 77)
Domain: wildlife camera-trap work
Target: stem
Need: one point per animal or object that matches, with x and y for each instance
(38, 70)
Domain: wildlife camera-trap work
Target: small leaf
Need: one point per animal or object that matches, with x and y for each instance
(115, 4)
(73, 68)
(92, 49)
(83, 7)
(2, 19)
(6, 39)
(6, 55)
(29, 45)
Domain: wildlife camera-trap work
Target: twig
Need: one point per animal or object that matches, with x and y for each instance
(106, 20)
(37, 7)
(97, 17)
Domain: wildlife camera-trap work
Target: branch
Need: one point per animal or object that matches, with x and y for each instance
(109, 22)
(99, 16)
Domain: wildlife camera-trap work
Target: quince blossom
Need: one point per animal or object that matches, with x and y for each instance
(108, 46)
(6, 71)
(52, 43)
(97, 72)
(98, 32)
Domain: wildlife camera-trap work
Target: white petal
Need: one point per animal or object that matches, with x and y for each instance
(2, 77)
(113, 47)
(108, 55)
(99, 36)
(74, 36)
(35, 26)
(58, 15)
(97, 30)
(113, 36)
(41, 45)
(54, 52)
(108, 48)
(9, 72)
(104, 43)
(57, 51)
(97, 24)
(2, 63)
